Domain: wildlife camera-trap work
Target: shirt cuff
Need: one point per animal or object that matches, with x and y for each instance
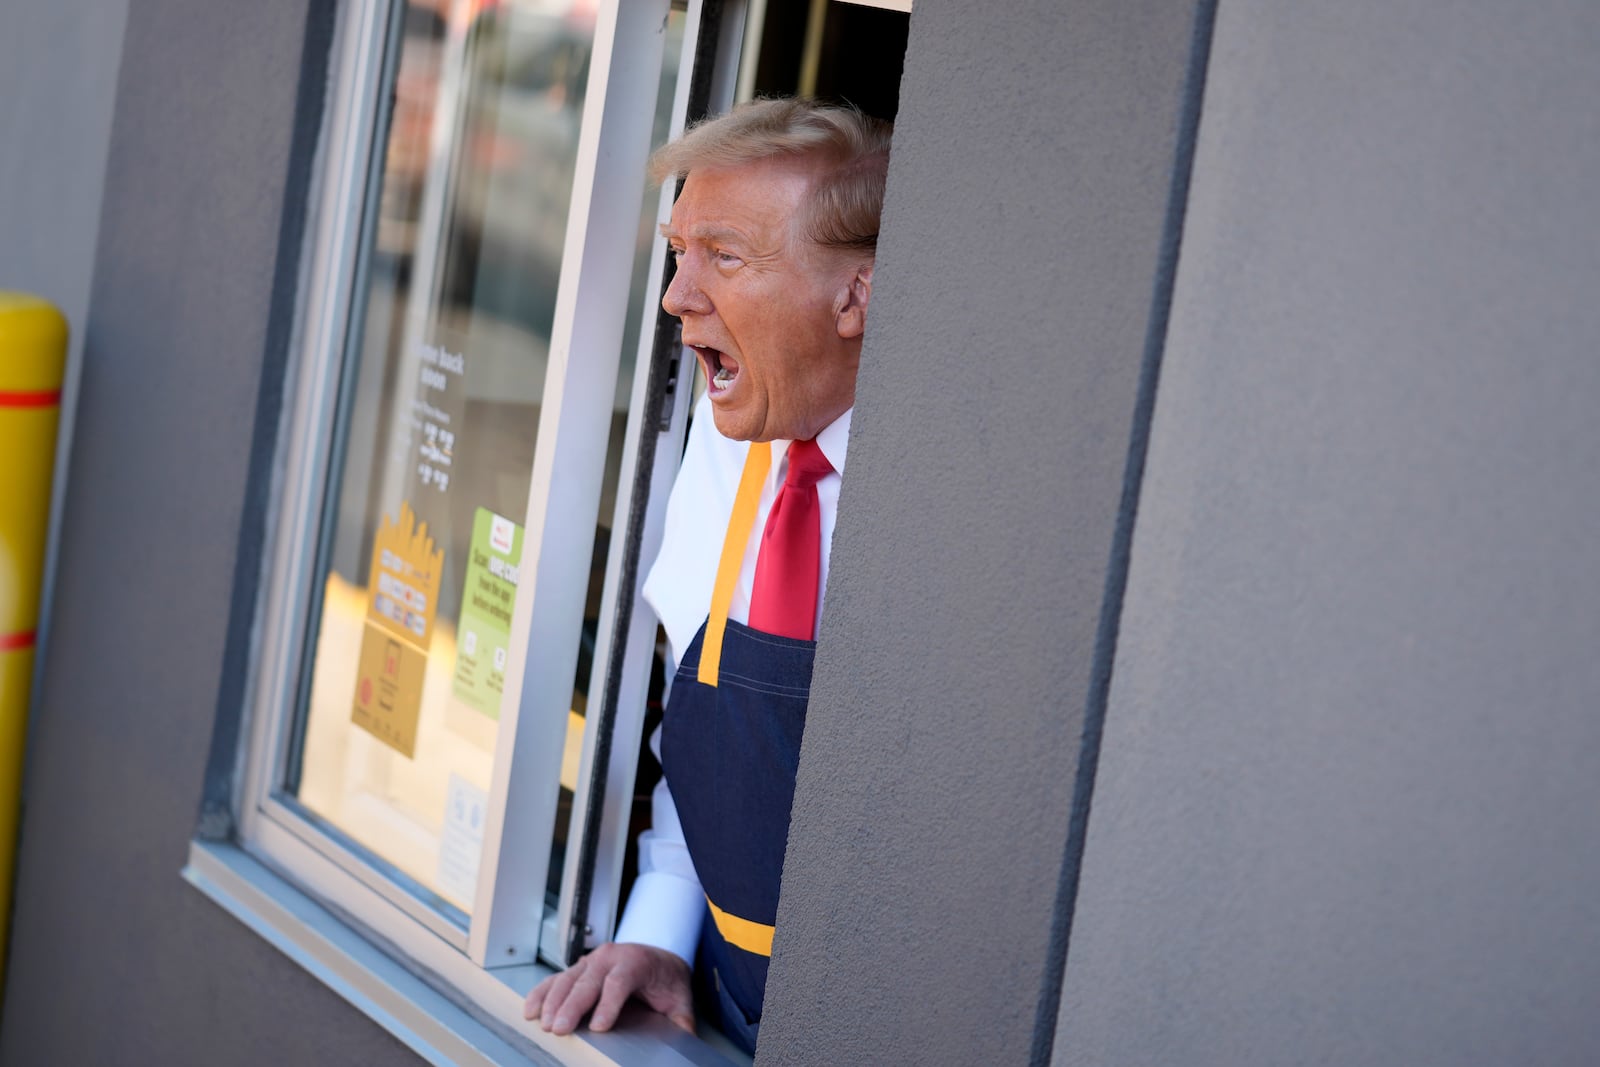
(665, 911)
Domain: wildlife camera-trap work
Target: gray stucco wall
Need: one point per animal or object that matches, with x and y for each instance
(58, 75)
(114, 959)
(1017, 275)
(1345, 805)
(58, 62)
(1347, 796)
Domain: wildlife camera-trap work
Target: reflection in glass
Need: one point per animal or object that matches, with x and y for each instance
(448, 346)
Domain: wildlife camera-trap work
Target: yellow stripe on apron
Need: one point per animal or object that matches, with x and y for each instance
(753, 937)
(740, 523)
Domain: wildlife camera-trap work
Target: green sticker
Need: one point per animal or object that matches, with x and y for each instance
(483, 638)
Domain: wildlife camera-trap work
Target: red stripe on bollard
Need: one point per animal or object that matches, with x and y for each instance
(43, 398)
(13, 642)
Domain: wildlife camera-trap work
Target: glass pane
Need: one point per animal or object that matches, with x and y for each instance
(397, 721)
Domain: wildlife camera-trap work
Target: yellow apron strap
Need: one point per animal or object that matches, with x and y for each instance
(740, 522)
(742, 933)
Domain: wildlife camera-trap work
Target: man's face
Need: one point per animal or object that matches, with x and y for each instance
(774, 318)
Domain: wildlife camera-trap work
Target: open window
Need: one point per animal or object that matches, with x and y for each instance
(837, 51)
(455, 671)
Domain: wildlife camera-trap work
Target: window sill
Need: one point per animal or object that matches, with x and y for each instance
(472, 1018)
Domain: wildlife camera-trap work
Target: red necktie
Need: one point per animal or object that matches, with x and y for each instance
(783, 599)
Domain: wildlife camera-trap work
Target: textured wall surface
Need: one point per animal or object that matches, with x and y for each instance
(58, 62)
(114, 958)
(1345, 806)
(1347, 796)
(1014, 290)
(58, 75)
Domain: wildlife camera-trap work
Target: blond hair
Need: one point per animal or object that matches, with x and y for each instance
(851, 151)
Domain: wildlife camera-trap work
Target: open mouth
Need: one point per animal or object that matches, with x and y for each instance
(721, 369)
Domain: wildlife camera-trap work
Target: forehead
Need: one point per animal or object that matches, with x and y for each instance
(755, 198)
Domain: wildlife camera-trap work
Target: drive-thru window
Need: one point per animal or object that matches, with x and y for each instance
(454, 675)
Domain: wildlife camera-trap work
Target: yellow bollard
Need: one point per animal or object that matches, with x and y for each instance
(33, 359)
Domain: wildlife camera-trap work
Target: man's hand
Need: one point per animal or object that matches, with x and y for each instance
(604, 980)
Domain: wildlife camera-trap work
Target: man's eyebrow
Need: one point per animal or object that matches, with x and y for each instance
(707, 234)
(718, 235)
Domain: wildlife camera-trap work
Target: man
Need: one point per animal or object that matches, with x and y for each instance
(774, 234)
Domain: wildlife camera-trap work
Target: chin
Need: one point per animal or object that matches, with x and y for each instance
(731, 426)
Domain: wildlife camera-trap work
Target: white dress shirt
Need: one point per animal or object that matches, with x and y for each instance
(667, 903)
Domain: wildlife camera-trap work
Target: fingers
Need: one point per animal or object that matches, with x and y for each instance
(563, 1017)
(548, 999)
(535, 1003)
(614, 993)
(604, 980)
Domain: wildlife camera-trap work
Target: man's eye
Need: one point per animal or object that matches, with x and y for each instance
(725, 258)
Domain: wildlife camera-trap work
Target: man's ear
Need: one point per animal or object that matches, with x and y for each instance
(851, 316)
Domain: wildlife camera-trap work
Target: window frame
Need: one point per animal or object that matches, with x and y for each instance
(592, 301)
(450, 993)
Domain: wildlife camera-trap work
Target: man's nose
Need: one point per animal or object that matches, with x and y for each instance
(684, 294)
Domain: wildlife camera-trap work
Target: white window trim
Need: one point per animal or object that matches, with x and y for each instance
(480, 1025)
(574, 428)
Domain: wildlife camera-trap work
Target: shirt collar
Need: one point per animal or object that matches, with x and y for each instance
(833, 439)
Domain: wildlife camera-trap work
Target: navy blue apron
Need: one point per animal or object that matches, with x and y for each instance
(730, 755)
(730, 746)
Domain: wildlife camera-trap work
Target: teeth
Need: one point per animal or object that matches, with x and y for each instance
(723, 377)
